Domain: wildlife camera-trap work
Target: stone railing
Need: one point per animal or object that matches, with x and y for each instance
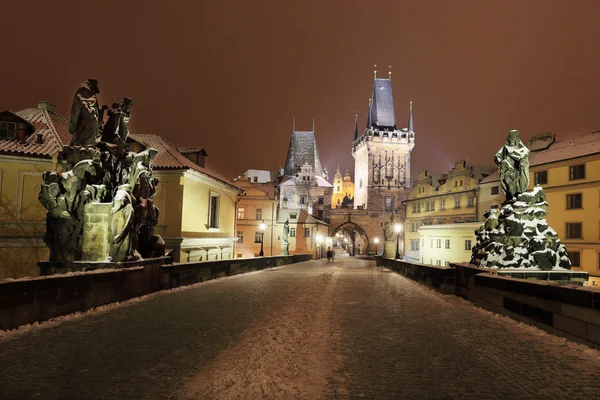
(567, 310)
(25, 301)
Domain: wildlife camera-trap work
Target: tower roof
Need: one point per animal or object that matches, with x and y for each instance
(302, 150)
(356, 127)
(382, 108)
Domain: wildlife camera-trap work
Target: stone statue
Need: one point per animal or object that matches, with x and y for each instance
(115, 131)
(286, 230)
(513, 162)
(388, 229)
(85, 115)
(121, 224)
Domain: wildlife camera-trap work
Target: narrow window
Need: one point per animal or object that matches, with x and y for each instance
(240, 237)
(213, 212)
(495, 190)
(541, 177)
(577, 172)
(258, 237)
(320, 200)
(302, 199)
(574, 230)
(467, 245)
(259, 213)
(574, 201)
(306, 232)
(7, 130)
(447, 243)
(457, 202)
(439, 243)
(575, 258)
(240, 213)
(471, 201)
(292, 232)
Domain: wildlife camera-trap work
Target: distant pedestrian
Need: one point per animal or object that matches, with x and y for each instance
(329, 255)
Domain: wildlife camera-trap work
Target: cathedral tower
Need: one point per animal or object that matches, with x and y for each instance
(382, 153)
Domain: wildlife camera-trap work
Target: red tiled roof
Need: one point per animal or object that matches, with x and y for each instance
(187, 150)
(53, 127)
(169, 157)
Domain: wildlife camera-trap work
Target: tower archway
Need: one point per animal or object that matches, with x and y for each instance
(351, 237)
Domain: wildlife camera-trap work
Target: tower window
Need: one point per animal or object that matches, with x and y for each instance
(7, 130)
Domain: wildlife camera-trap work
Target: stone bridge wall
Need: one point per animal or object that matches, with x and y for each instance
(26, 301)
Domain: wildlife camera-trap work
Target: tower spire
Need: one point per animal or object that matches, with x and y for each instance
(411, 127)
(313, 125)
(294, 124)
(356, 126)
(369, 116)
(375, 71)
(390, 73)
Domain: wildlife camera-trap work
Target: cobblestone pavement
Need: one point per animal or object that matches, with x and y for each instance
(310, 330)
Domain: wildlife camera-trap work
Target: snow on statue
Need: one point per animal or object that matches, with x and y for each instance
(518, 235)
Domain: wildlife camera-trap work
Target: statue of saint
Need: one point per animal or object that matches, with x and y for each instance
(286, 230)
(513, 162)
(115, 131)
(85, 115)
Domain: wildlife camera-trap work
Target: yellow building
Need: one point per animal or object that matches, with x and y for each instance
(29, 142)
(197, 205)
(305, 232)
(343, 188)
(437, 199)
(569, 172)
(442, 244)
(259, 205)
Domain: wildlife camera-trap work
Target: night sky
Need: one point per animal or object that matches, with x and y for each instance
(230, 75)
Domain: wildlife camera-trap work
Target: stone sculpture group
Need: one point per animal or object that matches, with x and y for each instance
(101, 208)
(518, 235)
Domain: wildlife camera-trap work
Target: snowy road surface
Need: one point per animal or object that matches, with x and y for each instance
(306, 331)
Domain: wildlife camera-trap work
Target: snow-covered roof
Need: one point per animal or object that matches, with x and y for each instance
(382, 109)
(302, 150)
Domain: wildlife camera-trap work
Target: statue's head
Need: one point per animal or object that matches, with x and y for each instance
(513, 137)
(93, 84)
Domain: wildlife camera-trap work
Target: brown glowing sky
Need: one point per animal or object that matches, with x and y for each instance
(230, 75)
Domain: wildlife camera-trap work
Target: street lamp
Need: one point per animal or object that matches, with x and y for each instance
(398, 229)
(376, 240)
(262, 228)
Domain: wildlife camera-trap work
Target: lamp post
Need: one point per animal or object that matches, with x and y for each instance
(262, 228)
(398, 229)
(376, 240)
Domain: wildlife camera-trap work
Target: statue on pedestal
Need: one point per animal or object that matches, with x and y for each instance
(513, 162)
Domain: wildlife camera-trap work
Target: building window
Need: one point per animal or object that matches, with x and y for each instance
(258, 237)
(382, 181)
(447, 243)
(427, 206)
(455, 183)
(446, 263)
(255, 179)
(495, 190)
(414, 207)
(541, 177)
(259, 213)
(306, 232)
(423, 242)
(457, 202)
(414, 244)
(388, 204)
(575, 258)
(432, 206)
(443, 204)
(574, 201)
(241, 213)
(471, 201)
(461, 182)
(438, 263)
(577, 172)
(302, 199)
(213, 212)
(7, 130)
(293, 215)
(320, 200)
(292, 232)
(468, 245)
(431, 243)
(438, 243)
(338, 189)
(240, 237)
(574, 230)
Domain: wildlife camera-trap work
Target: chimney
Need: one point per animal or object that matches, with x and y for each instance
(45, 105)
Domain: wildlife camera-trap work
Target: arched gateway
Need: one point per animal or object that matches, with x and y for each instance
(351, 237)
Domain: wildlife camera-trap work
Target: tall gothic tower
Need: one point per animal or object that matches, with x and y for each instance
(382, 153)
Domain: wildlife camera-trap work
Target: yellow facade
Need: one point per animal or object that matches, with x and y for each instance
(583, 248)
(444, 244)
(22, 217)
(440, 199)
(259, 205)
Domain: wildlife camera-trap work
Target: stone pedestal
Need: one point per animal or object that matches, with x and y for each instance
(96, 231)
(285, 249)
(389, 249)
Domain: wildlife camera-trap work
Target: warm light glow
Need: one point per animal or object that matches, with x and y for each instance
(398, 228)
(263, 226)
(345, 240)
(319, 238)
(376, 240)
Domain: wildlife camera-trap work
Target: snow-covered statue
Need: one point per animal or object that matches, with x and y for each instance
(513, 162)
(518, 235)
(286, 231)
(101, 208)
